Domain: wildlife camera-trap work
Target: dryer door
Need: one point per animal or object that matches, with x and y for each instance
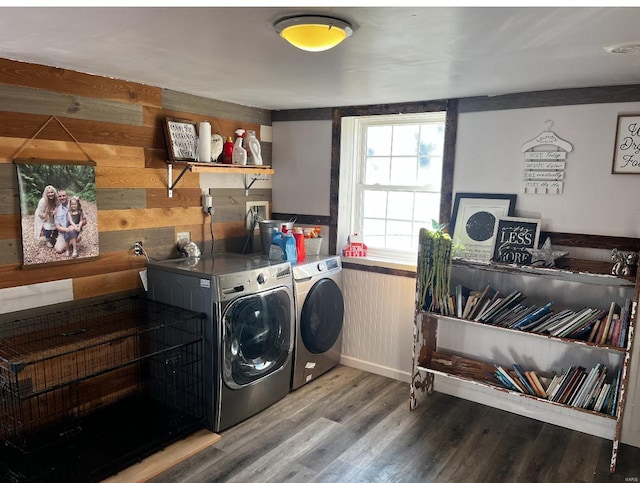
(257, 336)
(322, 316)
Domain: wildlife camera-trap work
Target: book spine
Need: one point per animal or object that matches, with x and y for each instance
(520, 373)
(562, 384)
(505, 375)
(605, 332)
(533, 316)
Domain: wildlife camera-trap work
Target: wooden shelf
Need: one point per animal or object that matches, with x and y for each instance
(572, 269)
(561, 340)
(479, 373)
(219, 168)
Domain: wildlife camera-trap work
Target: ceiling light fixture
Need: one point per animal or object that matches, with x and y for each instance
(312, 32)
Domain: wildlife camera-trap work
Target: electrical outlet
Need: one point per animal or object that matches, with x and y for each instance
(207, 204)
(183, 234)
(256, 208)
(137, 248)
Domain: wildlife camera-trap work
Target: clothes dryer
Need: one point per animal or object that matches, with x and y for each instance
(249, 334)
(317, 283)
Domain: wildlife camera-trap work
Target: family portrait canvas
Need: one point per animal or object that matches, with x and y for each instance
(59, 215)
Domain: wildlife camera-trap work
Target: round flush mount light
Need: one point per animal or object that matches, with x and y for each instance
(626, 48)
(313, 33)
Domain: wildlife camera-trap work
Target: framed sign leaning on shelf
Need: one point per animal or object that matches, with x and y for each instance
(626, 152)
(512, 238)
(473, 222)
(182, 138)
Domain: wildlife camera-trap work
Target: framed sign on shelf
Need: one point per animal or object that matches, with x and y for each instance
(626, 152)
(182, 139)
(473, 222)
(512, 237)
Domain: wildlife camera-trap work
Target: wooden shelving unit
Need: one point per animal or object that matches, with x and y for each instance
(462, 353)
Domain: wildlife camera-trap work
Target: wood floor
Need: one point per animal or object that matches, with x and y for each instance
(353, 426)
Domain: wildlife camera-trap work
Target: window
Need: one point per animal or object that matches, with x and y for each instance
(390, 180)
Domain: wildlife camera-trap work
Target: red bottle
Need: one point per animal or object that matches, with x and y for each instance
(227, 151)
(302, 253)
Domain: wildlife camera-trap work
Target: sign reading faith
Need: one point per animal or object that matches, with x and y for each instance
(626, 152)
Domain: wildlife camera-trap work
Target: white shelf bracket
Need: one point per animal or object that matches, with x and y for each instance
(257, 177)
(170, 184)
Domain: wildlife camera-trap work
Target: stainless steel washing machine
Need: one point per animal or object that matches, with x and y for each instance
(317, 284)
(250, 327)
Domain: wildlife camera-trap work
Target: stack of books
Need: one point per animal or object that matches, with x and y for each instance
(576, 387)
(599, 326)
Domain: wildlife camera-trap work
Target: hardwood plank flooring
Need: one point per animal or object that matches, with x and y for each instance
(356, 427)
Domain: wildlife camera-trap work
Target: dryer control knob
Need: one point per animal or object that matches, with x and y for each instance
(261, 278)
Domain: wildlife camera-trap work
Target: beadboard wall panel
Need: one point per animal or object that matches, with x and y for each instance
(120, 125)
(378, 327)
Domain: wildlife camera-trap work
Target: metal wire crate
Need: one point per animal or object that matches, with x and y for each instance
(58, 368)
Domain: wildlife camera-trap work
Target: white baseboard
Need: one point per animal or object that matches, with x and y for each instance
(385, 371)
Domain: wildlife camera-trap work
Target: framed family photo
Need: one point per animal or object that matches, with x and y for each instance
(58, 211)
(473, 222)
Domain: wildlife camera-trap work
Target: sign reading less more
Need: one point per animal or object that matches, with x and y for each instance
(512, 238)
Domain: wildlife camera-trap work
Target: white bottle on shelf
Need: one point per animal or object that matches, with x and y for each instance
(239, 155)
(254, 148)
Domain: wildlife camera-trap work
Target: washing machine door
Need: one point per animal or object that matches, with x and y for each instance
(322, 316)
(257, 336)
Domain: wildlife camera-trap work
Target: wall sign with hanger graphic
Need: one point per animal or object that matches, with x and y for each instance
(544, 165)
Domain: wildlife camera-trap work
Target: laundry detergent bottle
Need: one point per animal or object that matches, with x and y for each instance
(253, 148)
(300, 248)
(239, 153)
(227, 151)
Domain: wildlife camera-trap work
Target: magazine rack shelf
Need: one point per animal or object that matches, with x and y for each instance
(461, 355)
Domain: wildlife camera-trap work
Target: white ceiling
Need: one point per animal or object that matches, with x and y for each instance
(396, 54)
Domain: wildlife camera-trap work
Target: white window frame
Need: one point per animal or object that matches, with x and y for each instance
(352, 159)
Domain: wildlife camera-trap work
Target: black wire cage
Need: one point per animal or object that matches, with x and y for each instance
(87, 391)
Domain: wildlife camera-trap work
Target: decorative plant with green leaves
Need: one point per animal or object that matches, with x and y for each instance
(435, 253)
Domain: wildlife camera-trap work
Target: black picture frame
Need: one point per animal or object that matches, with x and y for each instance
(512, 237)
(473, 223)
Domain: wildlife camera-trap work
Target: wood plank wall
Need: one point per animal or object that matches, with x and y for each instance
(119, 125)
